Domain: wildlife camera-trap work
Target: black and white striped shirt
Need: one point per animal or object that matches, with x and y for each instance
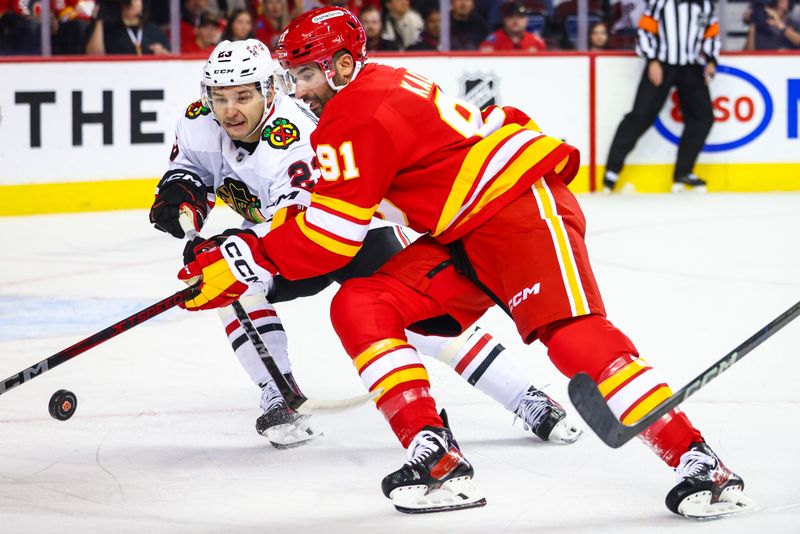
(679, 32)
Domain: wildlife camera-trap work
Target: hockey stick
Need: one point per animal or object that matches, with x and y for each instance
(96, 339)
(294, 399)
(589, 402)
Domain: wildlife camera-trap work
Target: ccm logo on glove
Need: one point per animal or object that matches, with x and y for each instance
(245, 272)
(240, 258)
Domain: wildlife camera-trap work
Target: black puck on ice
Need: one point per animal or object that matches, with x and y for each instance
(62, 404)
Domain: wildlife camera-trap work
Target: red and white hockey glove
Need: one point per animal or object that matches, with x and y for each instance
(226, 266)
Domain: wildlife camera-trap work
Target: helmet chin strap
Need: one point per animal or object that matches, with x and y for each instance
(329, 79)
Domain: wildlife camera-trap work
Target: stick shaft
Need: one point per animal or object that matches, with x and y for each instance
(590, 403)
(102, 336)
(293, 399)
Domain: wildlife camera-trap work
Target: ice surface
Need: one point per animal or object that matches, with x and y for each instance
(163, 437)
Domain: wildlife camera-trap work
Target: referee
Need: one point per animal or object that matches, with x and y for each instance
(680, 41)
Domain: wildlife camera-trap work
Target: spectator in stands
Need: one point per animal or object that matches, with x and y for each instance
(467, 28)
(625, 15)
(371, 20)
(401, 24)
(191, 14)
(429, 38)
(74, 22)
(513, 36)
(130, 33)
(490, 11)
(770, 27)
(271, 18)
(239, 26)
(19, 32)
(207, 36)
(229, 6)
(355, 6)
(598, 37)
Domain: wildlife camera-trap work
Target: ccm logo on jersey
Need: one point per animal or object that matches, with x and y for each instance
(241, 262)
(517, 299)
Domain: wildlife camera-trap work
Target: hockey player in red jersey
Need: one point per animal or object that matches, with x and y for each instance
(248, 143)
(489, 190)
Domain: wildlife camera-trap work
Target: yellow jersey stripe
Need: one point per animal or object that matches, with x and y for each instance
(563, 251)
(356, 212)
(644, 407)
(531, 125)
(384, 345)
(468, 173)
(561, 164)
(328, 243)
(400, 377)
(613, 382)
(279, 218)
(509, 178)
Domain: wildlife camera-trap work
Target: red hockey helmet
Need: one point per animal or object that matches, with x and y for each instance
(317, 35)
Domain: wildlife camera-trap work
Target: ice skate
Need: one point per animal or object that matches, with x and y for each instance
(282, 426)
(546, 418)
(706, 489)
(436, 477)
(609, 182)
(689, 182)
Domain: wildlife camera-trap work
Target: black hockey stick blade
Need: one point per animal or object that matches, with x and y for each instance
(96, 339)
(587, 399)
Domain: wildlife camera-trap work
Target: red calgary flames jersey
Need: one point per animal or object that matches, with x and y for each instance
(392, 142)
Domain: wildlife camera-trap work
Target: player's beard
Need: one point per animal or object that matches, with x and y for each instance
(316, 103)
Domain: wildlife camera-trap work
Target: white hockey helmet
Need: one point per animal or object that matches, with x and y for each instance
(239, 63)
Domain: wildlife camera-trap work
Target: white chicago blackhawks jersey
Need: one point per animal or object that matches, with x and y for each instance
(279, 173)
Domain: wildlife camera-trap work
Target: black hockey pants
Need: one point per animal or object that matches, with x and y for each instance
(698, 116)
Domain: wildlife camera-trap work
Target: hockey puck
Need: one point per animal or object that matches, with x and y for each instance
(62, 404)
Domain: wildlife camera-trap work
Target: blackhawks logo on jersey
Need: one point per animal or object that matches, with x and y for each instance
(196, 109)
(281, 134)
(236, 195)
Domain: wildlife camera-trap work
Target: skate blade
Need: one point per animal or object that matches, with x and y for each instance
(565, 432)
(455, 494)
(683, 188)
(732, 501)
(290, 435)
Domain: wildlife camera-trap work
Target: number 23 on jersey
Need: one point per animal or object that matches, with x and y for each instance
(337, 163)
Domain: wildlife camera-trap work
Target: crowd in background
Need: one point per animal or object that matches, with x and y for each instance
(97, 27)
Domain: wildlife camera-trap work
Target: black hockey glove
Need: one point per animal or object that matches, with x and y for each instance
(179, 192)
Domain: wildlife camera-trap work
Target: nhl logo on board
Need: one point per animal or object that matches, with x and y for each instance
(482, 89)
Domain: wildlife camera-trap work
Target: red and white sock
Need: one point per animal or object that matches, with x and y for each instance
(480, 360)
(269, 326)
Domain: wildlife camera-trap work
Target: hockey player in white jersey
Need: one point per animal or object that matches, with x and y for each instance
(248, 143)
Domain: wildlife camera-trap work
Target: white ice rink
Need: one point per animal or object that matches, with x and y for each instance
(163, 437)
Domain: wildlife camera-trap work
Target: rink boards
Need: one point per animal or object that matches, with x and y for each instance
(96, 134)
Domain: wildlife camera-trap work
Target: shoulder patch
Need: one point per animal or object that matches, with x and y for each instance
(281, 134)
(196, 109)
